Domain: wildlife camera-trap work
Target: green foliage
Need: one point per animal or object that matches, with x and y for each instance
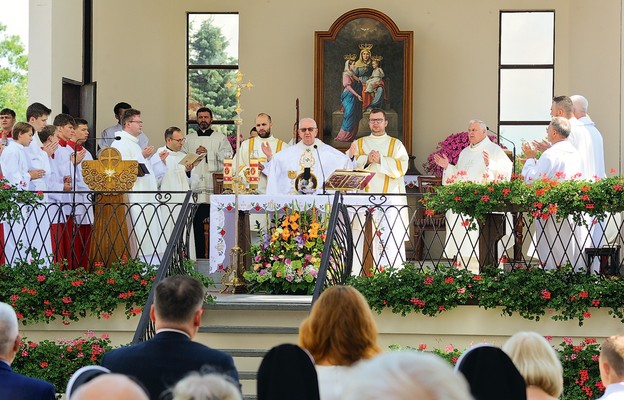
(44, 293)
(207, 86)
(56, 361)
(531, 293)
(13, 199)
(13, 73)
(544, 198)
(581, 375)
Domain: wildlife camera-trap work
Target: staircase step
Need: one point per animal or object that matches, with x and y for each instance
(250, 330)
(245, 352)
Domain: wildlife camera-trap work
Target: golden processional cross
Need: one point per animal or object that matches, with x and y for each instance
(233, 275)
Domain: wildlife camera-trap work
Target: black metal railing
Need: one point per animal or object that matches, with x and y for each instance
(172, 263)
(337, 256)
(394, 231)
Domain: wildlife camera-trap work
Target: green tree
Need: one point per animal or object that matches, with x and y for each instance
(13, 73)
(207, 47)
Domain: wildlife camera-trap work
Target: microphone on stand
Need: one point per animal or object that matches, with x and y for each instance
(513, 167)
(321, 165)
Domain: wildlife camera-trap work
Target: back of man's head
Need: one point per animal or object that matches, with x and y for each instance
(564, 104)
(177, 298)
(8, 331)
(36, 110)
(612, 354)
(110, 386)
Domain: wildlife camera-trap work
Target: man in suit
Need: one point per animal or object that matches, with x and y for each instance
(13, 385)
(170, 355)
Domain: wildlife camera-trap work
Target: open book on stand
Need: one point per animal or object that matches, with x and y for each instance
(343, 179)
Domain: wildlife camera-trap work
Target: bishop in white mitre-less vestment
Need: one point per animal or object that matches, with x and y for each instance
(322, 161)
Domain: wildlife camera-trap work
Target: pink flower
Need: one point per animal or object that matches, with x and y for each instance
(449, 348)
(428, 280)
(422, 346)
(567, 340)
(545, 294)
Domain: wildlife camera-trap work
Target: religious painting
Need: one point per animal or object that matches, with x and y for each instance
(363, 62)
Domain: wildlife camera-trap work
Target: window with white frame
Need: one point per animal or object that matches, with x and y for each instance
(526, 74)
(212, 61)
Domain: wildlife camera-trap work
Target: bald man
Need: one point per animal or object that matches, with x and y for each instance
(110, 386)
(13, 385)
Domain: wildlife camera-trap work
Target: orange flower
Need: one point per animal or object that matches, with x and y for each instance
(285, 234)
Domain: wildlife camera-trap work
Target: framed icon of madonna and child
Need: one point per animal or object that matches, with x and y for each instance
(363, 62)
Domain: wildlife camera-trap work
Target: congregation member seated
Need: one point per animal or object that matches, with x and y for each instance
(206, 387)
(491, 374)
(339, 332)
(611, 364)
(14, 386)
(406, 375)
(159, 363)
(538, 364)
(287, 372)
(106, 386)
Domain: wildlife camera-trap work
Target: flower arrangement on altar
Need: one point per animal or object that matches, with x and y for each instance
(288, 259)
(451, 146)
(544, 198)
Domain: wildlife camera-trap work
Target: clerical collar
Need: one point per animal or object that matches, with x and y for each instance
(207, 132)
(170, 149)
(62, 142)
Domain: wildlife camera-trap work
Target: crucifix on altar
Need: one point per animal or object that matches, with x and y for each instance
(233, 275)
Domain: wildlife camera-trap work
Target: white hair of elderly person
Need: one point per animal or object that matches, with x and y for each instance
(210, 386)
(406, 375)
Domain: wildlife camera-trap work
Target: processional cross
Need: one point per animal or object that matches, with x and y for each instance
(233, 275)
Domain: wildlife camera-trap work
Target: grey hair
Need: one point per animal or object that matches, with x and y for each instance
(307, 119)
(206, 387)
(580, 102)
(8, 328)
(406, 375)
(561, 125)
(482, 124)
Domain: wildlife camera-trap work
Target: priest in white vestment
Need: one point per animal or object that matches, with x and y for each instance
(560, 162)
(262, 147)
(386, 156)
(311, 160)
(481, 162)
(145, 214)
(174, 177)
(591, 147)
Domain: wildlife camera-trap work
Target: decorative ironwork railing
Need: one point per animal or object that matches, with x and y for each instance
(394, 231)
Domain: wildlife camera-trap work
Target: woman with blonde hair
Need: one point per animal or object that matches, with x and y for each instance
(538, 364)
(339, 332)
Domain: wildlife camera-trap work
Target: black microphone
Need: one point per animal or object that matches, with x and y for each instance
(320, 165)
(513, 167)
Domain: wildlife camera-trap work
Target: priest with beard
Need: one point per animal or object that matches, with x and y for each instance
(205, 140)
(311, 159)
(262, 147)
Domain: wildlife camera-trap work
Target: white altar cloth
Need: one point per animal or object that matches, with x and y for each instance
(222, 226)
